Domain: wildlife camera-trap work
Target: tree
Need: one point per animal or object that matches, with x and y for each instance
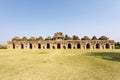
(67, 37)
(75, 37)
(117, 45)
(3, 47)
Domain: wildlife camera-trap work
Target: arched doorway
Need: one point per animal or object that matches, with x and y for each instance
(30, 46)
(107, 46)
(58, 46)
(88, 46)
(48, 46)
(22, 46)
(13, 46)
(69, 46)
(97, 46)
(78, 46)
(39, 46)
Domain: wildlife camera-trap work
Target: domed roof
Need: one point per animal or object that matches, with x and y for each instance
(85, 38)
(32, 38)
(16, 38)
(103, 38)
(24, 38)
(40, 38)
(58, 34)
(48, 38)
(94, 38)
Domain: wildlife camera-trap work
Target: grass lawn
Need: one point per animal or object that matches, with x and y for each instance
(60, 65)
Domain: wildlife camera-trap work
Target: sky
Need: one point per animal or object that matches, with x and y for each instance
(46, 17)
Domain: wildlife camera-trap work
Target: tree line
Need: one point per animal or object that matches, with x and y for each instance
(3, 46)
(117, 45)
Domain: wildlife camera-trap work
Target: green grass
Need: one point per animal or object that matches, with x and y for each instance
(60, 65)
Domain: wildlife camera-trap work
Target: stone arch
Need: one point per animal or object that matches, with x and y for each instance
(22, 46)
(30, 46)
(87, 46)
(13, 46)
(78, 46)
(48, 46)
(58, 46)
(69, 46)
(39, 46)
(107, 46)
(97, 46)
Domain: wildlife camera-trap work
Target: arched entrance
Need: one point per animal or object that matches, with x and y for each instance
(69, 46)
(48, 46)
(107, 46)
(22, 46)
(13, 46)
(97, 46)
(39, 46)
(30, 46)
(88, 46)
(58, 46)
(78, 46)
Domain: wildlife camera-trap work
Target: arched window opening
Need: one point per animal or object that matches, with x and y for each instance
(88, 46)
(97, 46)
(30, 46)
(107, 46)
(78, 46)
(48, 46)
(58, 46)
(39, 46)
(13, 46)
(69, 46)
(22, 46)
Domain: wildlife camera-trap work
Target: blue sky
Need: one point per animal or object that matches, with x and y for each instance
(45, 17)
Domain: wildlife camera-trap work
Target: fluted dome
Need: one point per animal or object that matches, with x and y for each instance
(15, 39)
(32, 38)
(85, 38)
(40, 38)
(48, 38)
(94, 38)
(103, 38)
(24, 38)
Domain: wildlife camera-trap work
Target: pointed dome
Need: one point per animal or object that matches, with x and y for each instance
(103, 38)
(94, 38)
(32, 38)
(40, 38)
(15, 39)
(85, 38)
(48, 38)
(24, 38)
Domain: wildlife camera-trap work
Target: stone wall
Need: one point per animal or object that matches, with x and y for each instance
(58, 42)
(68, 44)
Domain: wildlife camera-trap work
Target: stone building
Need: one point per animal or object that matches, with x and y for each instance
(59, 41)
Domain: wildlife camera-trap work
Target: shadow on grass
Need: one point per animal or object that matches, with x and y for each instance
(113, 56)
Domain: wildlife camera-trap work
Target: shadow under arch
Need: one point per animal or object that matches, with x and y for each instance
(69, 46)
(87, 46)
(78, 46)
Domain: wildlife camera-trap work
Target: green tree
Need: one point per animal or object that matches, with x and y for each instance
(117, 45)
(75, 37)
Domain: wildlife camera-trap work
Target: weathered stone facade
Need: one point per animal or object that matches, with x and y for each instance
(59, 41)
